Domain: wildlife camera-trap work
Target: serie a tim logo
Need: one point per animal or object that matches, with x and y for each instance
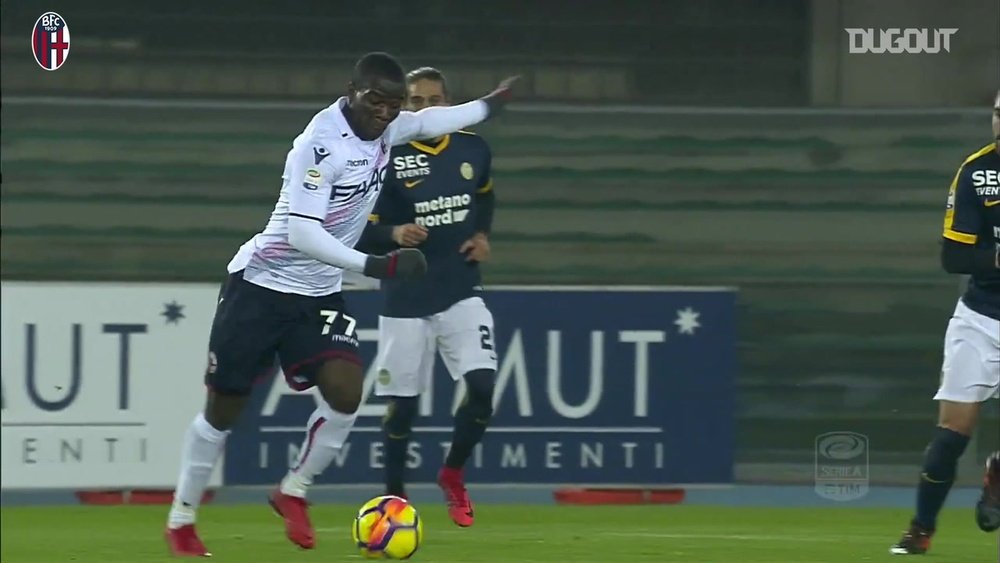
(50, 41)
(842, 469)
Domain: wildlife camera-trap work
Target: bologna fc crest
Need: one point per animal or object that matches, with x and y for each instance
(50, 41)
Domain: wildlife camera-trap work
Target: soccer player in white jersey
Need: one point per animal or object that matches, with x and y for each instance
(282, 299)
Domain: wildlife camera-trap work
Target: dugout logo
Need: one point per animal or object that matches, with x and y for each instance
(50, 41)
(896, 41)
(842, 468)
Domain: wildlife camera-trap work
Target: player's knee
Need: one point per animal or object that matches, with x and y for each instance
(479, 386)
(400, 415)
(346, 398)
(963, 427)
(959, 417)
(223, 410)
(341, 382)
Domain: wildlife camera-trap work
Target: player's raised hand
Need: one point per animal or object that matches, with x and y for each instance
(410, 234)
(498, 98)
(403, 263)
(506, 85)
(476, 249)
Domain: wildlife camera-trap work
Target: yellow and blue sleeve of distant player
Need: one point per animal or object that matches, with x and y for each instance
(389, 208)
(486, 164)
(485, 196)
(963, 217)
(486, 187)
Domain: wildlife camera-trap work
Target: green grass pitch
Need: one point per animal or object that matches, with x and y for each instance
(503, 533)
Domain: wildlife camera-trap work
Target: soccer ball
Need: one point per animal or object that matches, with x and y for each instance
(387, 527)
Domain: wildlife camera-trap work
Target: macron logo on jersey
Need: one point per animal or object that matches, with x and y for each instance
(319, 153)
(444, 210)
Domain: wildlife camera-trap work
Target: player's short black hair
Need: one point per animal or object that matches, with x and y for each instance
(428, 73)
(375, 65)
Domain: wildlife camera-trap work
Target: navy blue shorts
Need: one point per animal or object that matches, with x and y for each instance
(256, 330)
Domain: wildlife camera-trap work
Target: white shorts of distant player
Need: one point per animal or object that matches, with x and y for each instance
(463, 334)
(971, 369)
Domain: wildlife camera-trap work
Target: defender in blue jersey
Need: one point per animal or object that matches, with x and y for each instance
(438, 197)
(970, 373)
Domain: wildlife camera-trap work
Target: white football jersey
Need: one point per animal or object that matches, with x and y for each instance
(334, 177)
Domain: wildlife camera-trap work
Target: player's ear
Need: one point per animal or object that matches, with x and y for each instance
(351, 91)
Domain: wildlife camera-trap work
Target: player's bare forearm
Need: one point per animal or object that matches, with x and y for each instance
(961, 258)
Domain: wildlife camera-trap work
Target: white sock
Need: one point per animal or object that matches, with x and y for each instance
(202, 447)
(325, 434)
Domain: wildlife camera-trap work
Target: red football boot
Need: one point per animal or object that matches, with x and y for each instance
(184, 542)
(295, 512)
(452, 483)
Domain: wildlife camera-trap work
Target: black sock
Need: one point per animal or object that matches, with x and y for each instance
(940, 464)
(396, 431)
(469, 430)
(472, 417)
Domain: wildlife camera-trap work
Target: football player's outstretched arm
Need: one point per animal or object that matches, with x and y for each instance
(309, 190)
(432, 122)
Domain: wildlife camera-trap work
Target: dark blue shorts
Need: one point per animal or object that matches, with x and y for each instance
(256, 330)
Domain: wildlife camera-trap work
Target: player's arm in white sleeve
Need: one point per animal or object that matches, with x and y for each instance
(436, 121)
(309, 188)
